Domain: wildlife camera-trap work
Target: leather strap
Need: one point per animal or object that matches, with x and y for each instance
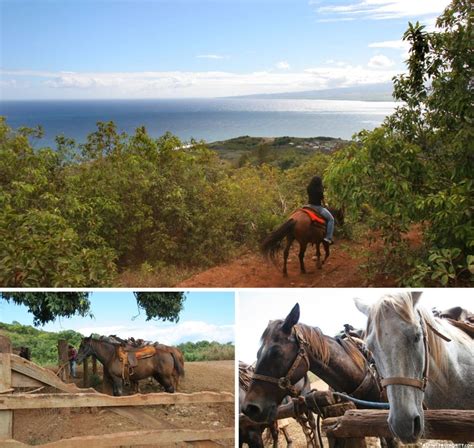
(367, 382)
(285, 381)
(404, 381)
(438, 333)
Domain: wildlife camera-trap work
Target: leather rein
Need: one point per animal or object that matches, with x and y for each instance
(416, 382)
(285, 382)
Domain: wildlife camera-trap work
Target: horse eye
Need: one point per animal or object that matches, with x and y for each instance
(417, 337)
(276, 351)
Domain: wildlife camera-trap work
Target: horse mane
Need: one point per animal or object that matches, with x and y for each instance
(402, 304)
(315, 339)
(312, 335)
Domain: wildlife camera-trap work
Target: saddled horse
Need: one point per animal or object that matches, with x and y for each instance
(421, 359)
(289, 350)
(300, 227)
(165, 364)
(250, 432)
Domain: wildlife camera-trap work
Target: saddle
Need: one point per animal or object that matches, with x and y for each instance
(315, 217)
(130, 356)
(458, 317)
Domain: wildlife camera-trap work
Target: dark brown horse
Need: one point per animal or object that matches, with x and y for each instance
(299, 227)
(250, 433)
(166, 365)
(289, 350)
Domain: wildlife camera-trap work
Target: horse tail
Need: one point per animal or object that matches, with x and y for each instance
(272, 243)
(178, 362)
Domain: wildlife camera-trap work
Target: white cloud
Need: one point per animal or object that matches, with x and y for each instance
(210, 56)
(282, 65)
(394, 44)
(170, 334)
(380, 61)
(175, 84)
(385, 9)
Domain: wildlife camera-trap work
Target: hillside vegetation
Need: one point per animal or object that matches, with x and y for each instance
(43, 345)
(280, 152)
(77, 215)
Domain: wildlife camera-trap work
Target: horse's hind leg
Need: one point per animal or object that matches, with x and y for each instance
(301, 257)
(286, 252)
(326, 251)
(319, 265)
(168, 386)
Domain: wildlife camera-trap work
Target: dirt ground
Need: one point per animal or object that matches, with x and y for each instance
(41, 426)
(342, 269)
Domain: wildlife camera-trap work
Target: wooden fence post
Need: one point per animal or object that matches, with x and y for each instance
(6, 417)
(5, 345)
(63, 359)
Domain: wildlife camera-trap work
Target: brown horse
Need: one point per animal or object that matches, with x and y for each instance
(299, 227)
(166, 366)
(250, 433)
(337, 362)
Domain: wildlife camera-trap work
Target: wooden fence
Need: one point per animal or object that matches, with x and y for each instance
(16, 372)
(345, 426)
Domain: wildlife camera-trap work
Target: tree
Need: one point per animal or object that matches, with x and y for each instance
(417, 168)
(161, 305)
(47, 306)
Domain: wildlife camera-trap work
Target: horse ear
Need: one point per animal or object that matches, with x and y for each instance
(363, 307)
(415, 296)
(292, 319)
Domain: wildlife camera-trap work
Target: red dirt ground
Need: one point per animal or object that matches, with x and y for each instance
(342, 269)
(42, 426)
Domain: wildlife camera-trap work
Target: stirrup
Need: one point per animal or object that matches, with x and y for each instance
(330, 242)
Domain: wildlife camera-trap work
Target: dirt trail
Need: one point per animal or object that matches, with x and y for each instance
(253, 271)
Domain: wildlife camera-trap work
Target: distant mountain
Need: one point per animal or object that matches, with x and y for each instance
(367, 92)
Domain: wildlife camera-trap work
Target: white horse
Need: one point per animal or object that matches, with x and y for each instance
(421, 360)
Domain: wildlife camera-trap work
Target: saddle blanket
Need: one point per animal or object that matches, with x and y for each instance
(313, 215)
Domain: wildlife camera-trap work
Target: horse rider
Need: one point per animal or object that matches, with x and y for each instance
(72, 357)
(315, 191)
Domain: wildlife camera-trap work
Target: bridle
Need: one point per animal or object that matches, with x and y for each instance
(285, 382)
(416, 382)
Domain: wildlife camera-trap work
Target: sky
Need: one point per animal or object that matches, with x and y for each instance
(206, 316)
(328, 309)
(110, 49)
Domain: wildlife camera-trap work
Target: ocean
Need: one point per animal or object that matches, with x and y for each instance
(206, 119)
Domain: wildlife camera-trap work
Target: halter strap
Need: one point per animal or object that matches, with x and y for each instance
(285, 381)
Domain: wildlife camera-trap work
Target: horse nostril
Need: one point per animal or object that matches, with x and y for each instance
(417, 426)
(252, 411)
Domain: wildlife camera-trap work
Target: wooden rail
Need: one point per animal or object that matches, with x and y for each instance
(80, 400)
(16, 372)
(133, 438)
(440, 424)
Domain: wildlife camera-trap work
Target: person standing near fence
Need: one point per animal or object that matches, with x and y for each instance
(72, 357)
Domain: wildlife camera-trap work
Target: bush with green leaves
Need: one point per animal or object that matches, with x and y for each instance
(207, 351)
(77, 215)
(418, 167)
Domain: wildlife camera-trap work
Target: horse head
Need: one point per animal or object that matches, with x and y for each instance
(280, 365)
(396, 336)
(85, 349)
